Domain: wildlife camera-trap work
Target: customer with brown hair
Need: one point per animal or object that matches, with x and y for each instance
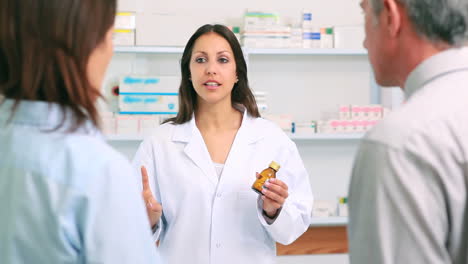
(65, 196)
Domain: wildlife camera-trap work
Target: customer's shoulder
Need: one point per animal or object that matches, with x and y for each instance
(419, 120)
(92, 149)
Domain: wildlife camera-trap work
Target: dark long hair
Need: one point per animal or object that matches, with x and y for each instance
(45, 46)
(241, 93)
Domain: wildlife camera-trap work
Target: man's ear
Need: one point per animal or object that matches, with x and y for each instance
(393, 15)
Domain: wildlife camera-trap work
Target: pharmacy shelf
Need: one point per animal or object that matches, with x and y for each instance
(329, 221)
(249, 51)
(330, 136)
(343, 136)
(148, 49)
(252, 51)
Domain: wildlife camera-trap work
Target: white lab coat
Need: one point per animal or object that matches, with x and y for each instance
(211, 221)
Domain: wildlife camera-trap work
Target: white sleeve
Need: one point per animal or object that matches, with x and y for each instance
(116, 228)
(295, 215)
(145, 156)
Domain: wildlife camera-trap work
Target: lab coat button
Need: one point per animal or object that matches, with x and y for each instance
(218, 245)
(218, 195)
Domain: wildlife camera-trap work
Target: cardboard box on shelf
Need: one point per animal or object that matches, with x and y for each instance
(348, 37)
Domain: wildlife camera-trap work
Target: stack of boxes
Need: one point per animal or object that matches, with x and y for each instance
(260, 98)
(354, 119)
(124, 29)
(310, 31)
(144, 102)
(324, 208)
(148, 95)
(263, 30)
(351, 119)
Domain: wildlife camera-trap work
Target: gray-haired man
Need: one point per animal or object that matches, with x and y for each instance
(408, 193)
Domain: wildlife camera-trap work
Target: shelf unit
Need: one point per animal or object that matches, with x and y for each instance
(310, 141)
(329, 221)
(343, 136)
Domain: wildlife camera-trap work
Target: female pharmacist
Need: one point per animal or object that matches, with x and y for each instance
(200, 165)
(65, 196)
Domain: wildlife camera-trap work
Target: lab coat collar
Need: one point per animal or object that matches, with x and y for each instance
(197, 151)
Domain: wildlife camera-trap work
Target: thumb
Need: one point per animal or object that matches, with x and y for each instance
(154, 205)
(151, 205)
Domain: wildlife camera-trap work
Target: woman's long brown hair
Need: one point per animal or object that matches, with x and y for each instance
(45, 46)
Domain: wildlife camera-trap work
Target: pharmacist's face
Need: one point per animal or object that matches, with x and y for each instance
(212, 69)
(376, 42)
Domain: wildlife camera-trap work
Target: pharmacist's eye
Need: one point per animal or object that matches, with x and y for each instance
(223, 60)
(200, 60)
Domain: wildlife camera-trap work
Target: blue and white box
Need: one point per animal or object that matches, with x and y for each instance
(149, 95)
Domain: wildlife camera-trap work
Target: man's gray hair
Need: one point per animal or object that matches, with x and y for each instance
(437, 20)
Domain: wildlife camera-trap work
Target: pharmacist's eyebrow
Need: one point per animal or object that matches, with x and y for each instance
(219, 52)
(225, 53)
(202, 52)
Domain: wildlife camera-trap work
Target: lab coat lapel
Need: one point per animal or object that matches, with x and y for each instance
(195, 148)
(242, 148)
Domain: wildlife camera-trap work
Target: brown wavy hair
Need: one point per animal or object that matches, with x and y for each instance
(45, 46)
(241, 92)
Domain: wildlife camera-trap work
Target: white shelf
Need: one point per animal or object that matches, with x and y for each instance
(148, 49)
(329, 221)
(341, 136)
(249, 51)
(253, 51)
(349, 136)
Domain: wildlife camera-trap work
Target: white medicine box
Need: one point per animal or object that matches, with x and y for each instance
(125, 20)
(148, 104)
(124, 37)
(149, 84)
(349, 37)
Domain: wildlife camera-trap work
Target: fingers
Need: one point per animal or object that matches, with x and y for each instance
(144, 178)
(267, 202)
(151, 203)
(273, 196)
(148, 196)
(270, 205)
(279, 182)
(276, 189)
(258, 175)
